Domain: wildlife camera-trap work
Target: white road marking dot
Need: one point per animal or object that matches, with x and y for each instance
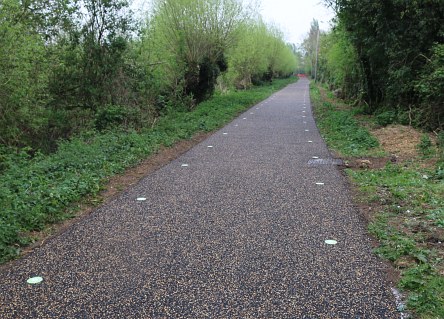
(315, 157)
(251, 113)
(210, 146)
(184, 165)
(237, 125)
(309, 141)
(303, 111)
(141, 199)
(307, 131)
(319, 183)
(303, 116)
(331, 242)
(224, 133)
(34, 280)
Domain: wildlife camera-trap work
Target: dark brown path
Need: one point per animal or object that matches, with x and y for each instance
(238, 232)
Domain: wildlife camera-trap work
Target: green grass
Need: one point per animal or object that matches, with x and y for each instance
(38, 191)
(409, 201)
(341, 130)
(411, 221)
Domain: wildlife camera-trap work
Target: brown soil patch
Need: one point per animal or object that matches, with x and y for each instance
(115, 186)
(368, 162)
(399, 140)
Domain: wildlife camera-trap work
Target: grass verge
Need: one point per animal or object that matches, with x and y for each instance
(403, 201)
(42, 190)
(341, 130)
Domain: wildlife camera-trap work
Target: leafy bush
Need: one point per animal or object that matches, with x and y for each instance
(440, 145)
(110, 116)
(425, 146)
(23, 77)
(430, 87)
(385, 118)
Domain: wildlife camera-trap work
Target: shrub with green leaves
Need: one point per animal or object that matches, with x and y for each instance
(385, 118)
(23, 77)
(425, 146)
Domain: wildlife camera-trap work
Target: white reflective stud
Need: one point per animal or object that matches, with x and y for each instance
(315, 157)
(319, 183)
(331, 242)
(303, 116)
(307, 131)
(141, 199)
(244, 118)
(34, 280)
(224, 133)
(184, 165)
(210, 146)
(309, 141)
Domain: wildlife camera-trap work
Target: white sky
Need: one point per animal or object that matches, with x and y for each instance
(293, 17)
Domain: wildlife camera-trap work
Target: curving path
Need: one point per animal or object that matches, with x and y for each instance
(235, 230)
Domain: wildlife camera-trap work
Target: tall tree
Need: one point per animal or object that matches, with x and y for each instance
(90, 54)
(198, 33)
(23, 75)
(311, 46)
(390, 37)
(260, 54)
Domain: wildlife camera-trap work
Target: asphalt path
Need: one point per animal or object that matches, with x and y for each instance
(234, 228)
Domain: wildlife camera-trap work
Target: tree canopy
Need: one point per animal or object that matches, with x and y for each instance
(388, 54)
(67, 66)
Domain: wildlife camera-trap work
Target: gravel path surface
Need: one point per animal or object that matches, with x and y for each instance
(235, 230)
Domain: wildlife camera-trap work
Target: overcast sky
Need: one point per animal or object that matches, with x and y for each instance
(293, 17)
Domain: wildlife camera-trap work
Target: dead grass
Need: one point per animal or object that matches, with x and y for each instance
(399, 140)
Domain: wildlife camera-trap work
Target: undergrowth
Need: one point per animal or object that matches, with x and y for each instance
(41, 189)
(340, 130)
(410, 229)
(408, 203)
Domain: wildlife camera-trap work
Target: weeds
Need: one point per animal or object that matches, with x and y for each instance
(425, 146)
(41, 189)
(385, 118)
(340, 129)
